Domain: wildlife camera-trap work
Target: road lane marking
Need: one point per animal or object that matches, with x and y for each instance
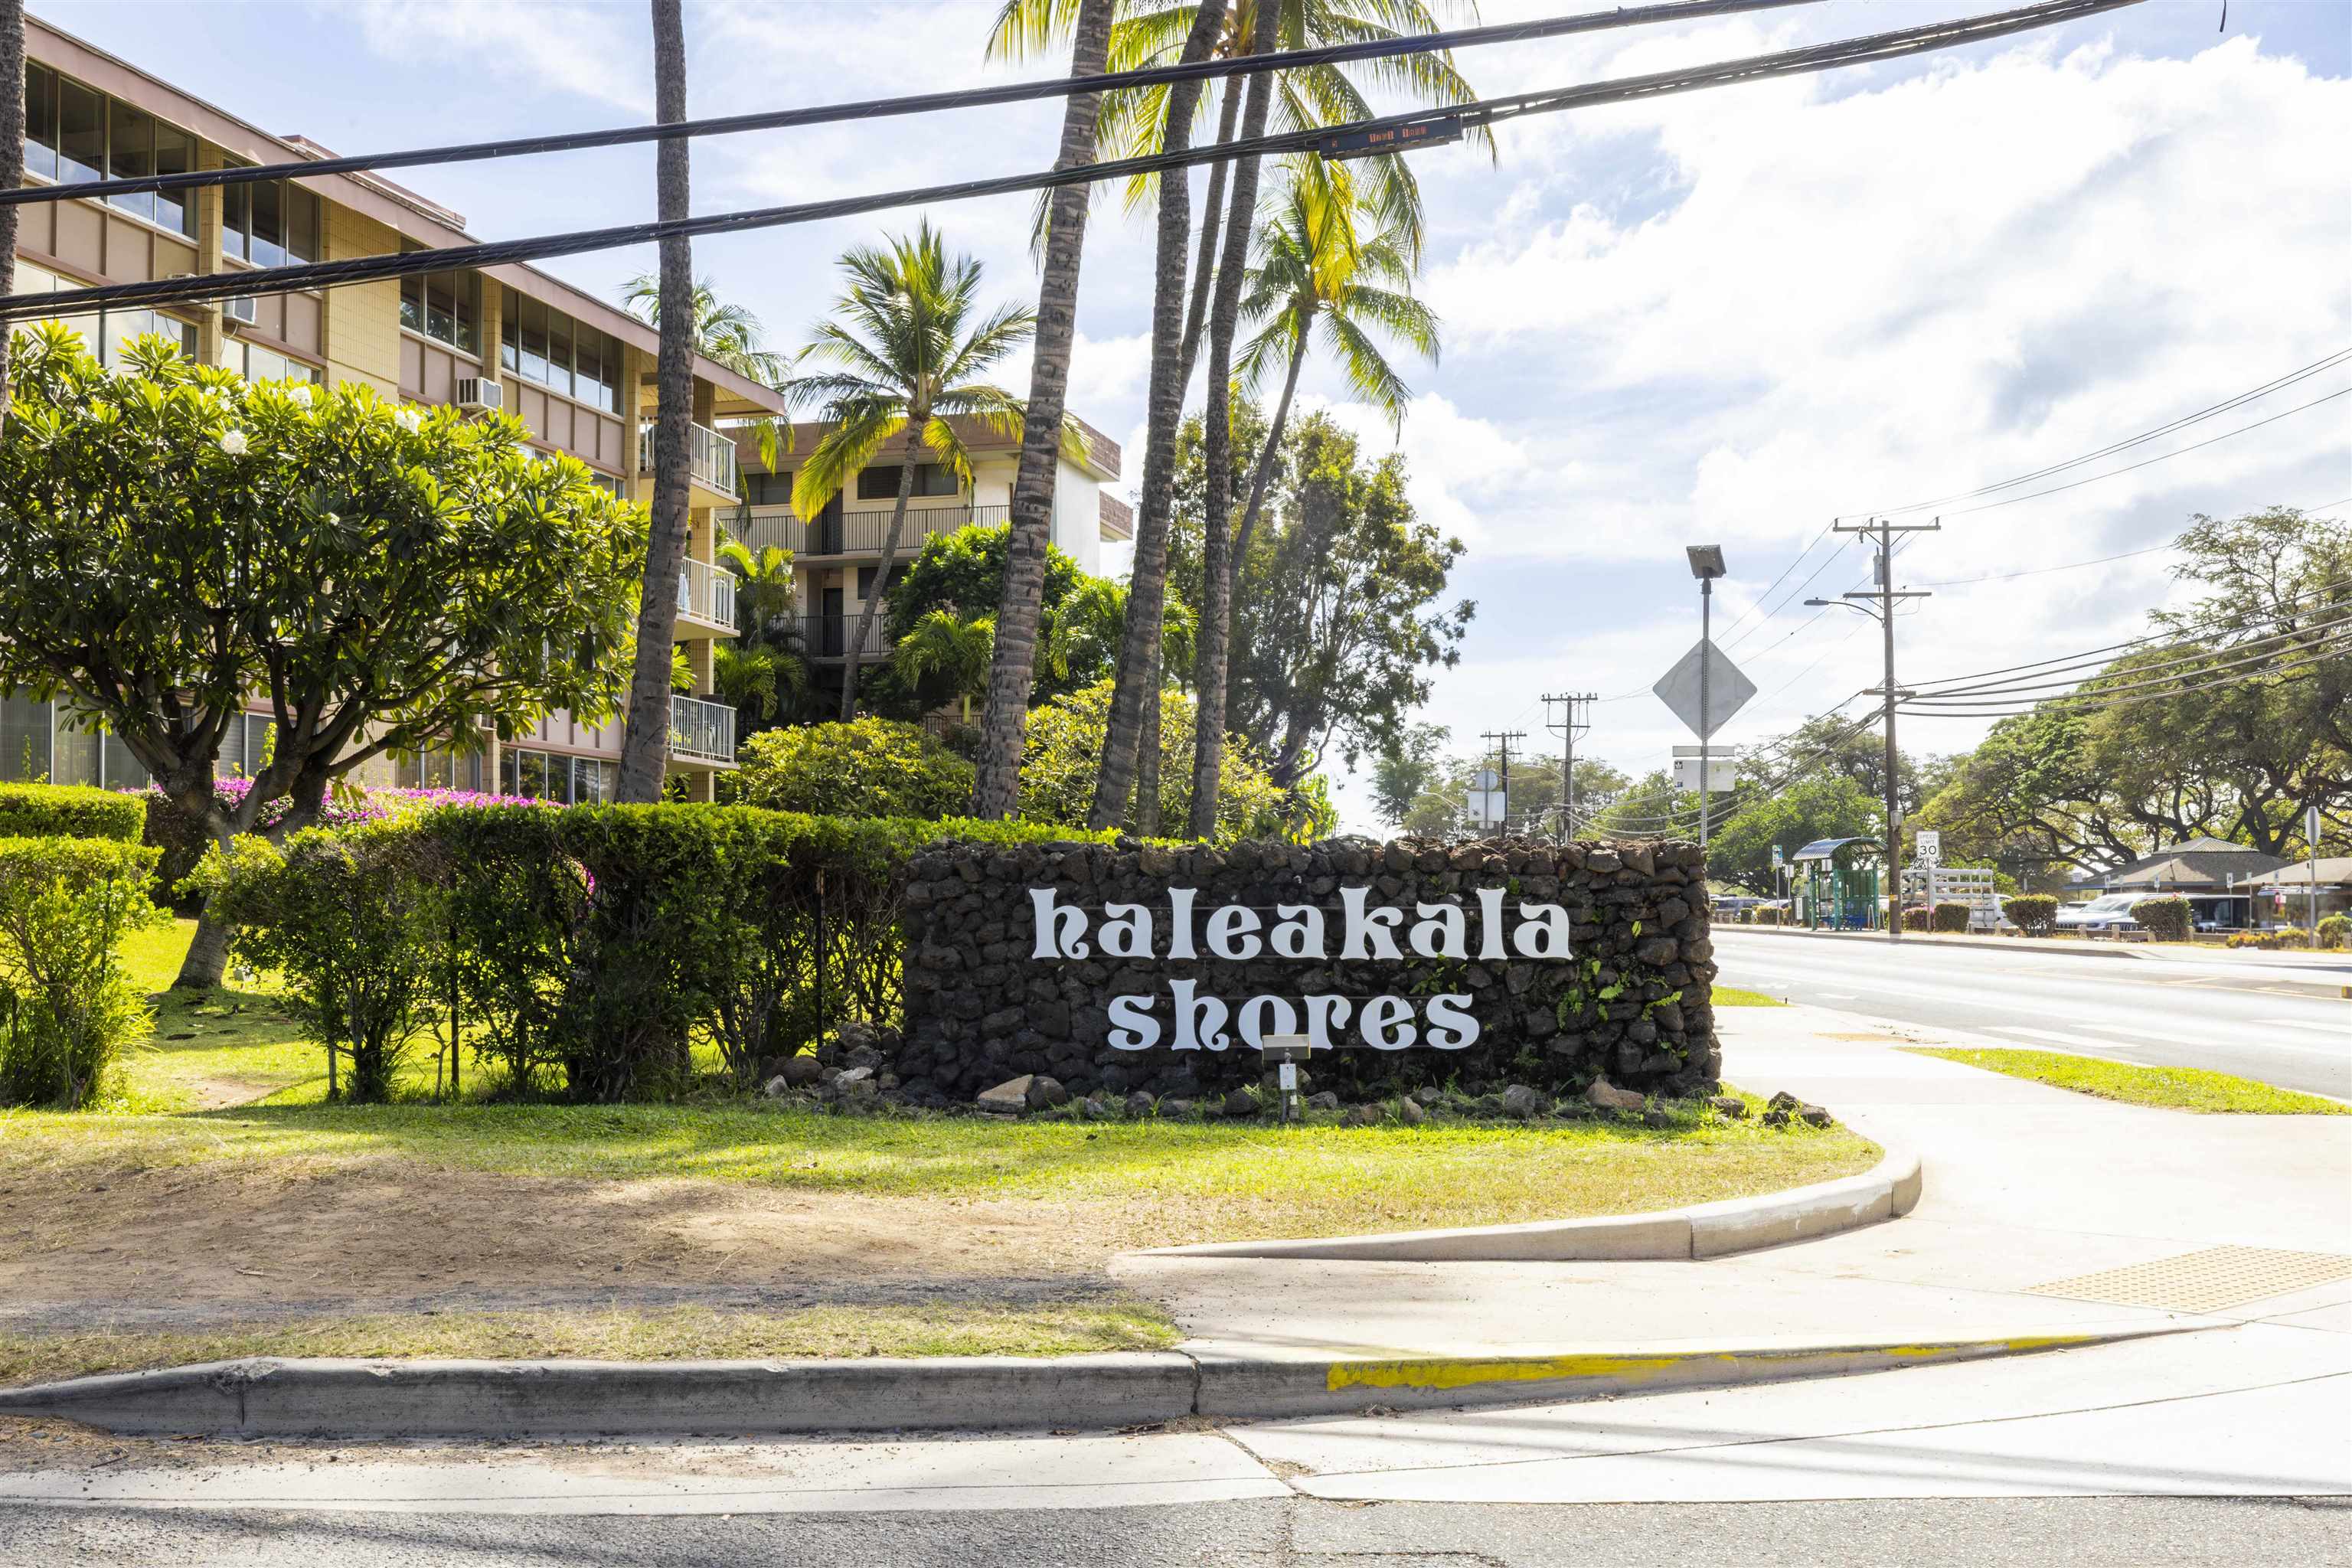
(2055, 1035)
(2333, 1031)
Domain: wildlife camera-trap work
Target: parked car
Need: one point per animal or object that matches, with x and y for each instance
(2109, 914)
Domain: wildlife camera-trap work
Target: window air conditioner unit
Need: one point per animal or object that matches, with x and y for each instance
(479, 395)
(242, 312)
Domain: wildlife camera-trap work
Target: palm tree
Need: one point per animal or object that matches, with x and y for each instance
(996, 778)
(759, 667)
(1139, 658)
(1315, 270)
(723, 332)
(645, 744)
(1154, 34)
(906, 353)
(960, 651)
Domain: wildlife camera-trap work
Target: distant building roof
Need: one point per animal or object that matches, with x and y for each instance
(1101, 459)
(2198, 862)
(1117, 517)
(2332, 869)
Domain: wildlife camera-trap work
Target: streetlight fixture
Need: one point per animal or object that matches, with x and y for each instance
(1706, 565)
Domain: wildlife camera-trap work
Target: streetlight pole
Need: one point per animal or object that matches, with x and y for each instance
(1885, 596)
(1706, 565)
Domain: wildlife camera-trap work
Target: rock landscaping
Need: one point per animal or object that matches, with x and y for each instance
(1624, 1015)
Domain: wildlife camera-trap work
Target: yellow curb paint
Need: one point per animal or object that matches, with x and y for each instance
(1443, 1373)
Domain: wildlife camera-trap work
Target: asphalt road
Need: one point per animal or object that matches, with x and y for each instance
(1296, 1532)
(2153, 1010)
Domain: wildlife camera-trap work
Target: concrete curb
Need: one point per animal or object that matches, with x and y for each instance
(1888, 1189)
(384, 1399)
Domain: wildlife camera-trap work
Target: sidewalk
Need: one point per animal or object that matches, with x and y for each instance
(2025, 1185)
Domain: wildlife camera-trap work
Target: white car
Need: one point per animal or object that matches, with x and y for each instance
(2106, 915)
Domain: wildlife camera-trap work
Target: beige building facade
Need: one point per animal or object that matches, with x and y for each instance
(578, 372)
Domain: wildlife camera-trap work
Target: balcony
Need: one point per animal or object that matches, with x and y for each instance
(830, 636)
(859, 531)
(702, 731)
(709, 460)
(706, 595)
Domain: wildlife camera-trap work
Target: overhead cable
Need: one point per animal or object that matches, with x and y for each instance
(1871, 49)
(1383, 47)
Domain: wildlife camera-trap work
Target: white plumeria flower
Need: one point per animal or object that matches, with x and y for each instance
(409, 420)
(300, 395)
(233, 442)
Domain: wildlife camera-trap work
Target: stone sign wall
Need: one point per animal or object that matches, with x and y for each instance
(1135, 967)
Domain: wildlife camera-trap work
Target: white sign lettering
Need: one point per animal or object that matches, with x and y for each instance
(1237, 933)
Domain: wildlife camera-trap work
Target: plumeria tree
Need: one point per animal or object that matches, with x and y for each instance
(183, 543)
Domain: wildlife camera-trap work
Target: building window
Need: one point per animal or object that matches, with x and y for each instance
(541, 344)
(24, 739)
(881, 483)
(74, 132)
(41, 122)
(439, 770)
(81, 132)
(105, 334)
(441, 306)
(865, 583)
(255, 362)
(770, 490)
(270, 223)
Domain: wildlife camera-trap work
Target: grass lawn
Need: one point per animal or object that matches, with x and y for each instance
(2174, 1089)
(210, 1048)
(1733, 996)
(679, 1333)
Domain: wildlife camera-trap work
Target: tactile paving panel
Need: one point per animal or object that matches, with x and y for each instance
(2204, 1281)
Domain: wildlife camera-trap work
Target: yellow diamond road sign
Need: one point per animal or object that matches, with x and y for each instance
(1727, 691)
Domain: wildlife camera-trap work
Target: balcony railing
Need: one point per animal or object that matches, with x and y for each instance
(707, 594)
(700, 729)
(830, 636)
(860, 530)
(710, 457)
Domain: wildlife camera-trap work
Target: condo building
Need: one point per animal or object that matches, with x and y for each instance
(576, 370)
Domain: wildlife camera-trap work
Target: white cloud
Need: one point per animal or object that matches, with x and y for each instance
(599, 52)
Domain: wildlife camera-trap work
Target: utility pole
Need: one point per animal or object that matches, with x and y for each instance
(1884, 596)
(1502, 739)
(1579, 704)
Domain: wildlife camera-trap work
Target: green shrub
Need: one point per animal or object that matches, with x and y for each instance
(583, 951)
(67, 1011)
(1768, 916)
(70, 811)
(1918, 916)
(1064, 751)
(2336, 931)
(352, 918)
(2034, 913)
(2167, 918)
(1951, 917)
(868, 767)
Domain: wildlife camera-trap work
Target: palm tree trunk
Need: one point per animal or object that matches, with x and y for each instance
(915, 422)
(1264, 474)
(1146, 764)
(996, 784)
(645, 744)
(1213, 214)
(1217, 555)
(12, 150)
(1138, 655)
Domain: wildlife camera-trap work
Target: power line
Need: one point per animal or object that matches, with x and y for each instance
(2236, 400)
(2102, 560)
(917, 103)
(1870, 49)
(2251, 652)
(2163, 457)
(2095, 703)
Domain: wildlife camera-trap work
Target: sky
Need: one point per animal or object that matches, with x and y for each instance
(1727, 317)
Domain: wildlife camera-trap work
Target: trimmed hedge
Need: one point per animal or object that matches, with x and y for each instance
(1951, 918)
(2336, 931)
(1917, 918)
(2166, 919)
(2034, 913)
(70, 811)
(65, 1009)
(1767, 916)
(580, 950)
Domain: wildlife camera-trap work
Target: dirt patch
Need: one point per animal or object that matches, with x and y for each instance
(192, 1245)
(220, 1093)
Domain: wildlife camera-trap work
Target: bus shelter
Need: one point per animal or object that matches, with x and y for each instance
(1837, 884)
